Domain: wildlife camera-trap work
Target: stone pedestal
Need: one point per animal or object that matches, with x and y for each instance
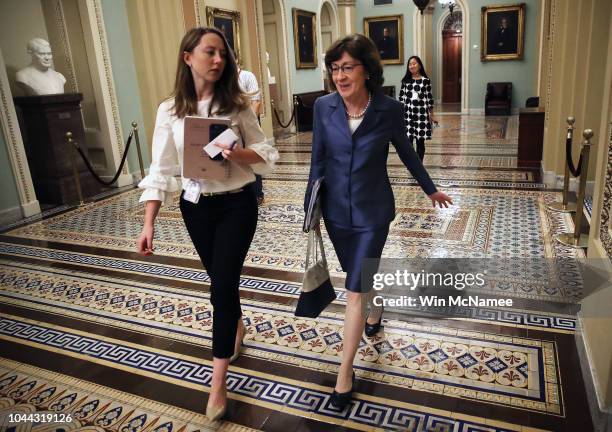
(44, 121)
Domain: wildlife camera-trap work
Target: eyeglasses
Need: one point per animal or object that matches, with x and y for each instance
(346, 69)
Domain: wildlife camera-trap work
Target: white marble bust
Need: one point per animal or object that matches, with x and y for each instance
(39, 78)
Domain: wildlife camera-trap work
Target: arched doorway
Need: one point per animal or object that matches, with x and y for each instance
(461, 10)
(329, 32)
(275, 32)
(329, 25)
(452, 47)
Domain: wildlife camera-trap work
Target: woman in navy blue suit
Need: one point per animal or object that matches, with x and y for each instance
(351, 133)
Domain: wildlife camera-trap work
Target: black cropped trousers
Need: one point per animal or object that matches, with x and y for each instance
(222, 228)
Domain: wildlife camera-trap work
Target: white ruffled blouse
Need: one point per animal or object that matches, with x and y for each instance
(167, 152)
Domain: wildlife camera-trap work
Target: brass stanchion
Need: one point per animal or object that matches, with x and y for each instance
(564, 206)
(135, 129)
(295, 104)
(273, 108)
(77, 180)
(575, 239)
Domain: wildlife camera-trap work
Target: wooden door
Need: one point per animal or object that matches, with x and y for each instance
(451, 66)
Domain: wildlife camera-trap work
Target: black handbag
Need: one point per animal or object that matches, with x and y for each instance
(317, 290)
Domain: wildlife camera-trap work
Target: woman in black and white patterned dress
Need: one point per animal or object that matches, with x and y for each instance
(418, 102)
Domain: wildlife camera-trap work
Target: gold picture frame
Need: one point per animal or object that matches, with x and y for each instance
(387, 32)
(228, 22)
(502, 32)
(304, 38)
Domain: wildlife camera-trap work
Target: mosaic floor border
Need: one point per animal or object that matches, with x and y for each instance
(510, 371)
(513, 317)
(397, 181)
(431, 150)
(443, 160)
(257, 388)
(435, 173)
(28, 389)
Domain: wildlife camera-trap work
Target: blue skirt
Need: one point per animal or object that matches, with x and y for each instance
(353, 245)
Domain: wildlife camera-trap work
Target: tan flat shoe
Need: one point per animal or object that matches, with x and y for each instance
(215, 413)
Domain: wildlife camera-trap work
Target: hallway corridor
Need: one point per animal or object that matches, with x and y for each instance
(90, 328)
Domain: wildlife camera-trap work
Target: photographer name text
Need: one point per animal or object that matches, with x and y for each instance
(435, 301)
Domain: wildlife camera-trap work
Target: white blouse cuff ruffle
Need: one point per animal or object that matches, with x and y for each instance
(158, 187)
(268, 153)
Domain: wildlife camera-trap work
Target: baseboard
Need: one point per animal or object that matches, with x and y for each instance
(554, 181)
(589, 188)
(136, 177)
(30, 208)
(600, 414)
(481, 111)
(10, 215)
(550, 179)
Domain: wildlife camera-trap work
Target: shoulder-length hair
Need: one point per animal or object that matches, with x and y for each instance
(362, 49)
(227, 96)
(408, 74)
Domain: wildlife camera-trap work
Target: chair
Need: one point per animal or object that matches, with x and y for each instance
(304, 110)
(498, 100)
(389, 91)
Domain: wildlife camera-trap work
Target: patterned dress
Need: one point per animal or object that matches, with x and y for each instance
(418, 101)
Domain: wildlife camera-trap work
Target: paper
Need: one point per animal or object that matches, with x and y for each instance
(193, 191)
(227, 137)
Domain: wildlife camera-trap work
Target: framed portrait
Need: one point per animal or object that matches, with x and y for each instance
(304, 31)
(387, 32)
(503, 30)
(228, 22)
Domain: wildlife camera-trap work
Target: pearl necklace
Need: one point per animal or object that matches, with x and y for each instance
(362, 113)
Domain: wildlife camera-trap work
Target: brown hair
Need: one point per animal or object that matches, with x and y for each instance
(361, 48)
(227, 95)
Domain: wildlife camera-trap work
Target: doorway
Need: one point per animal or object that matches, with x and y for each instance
(452, 47)
(329, 33)
(275, 33)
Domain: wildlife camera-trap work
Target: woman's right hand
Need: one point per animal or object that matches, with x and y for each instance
(144, 244)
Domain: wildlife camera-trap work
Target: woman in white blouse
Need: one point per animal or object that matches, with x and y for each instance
(220, 215)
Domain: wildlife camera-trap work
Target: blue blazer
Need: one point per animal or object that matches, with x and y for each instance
(356, 191)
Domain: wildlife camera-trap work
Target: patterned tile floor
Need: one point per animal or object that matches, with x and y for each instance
(458, 129)
(432, 160)
(92, 330)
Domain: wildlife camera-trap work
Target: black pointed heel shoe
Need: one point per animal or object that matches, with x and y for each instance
(372, 329)
(340, 400)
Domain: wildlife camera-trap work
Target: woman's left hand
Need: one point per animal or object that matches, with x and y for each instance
(231, 152)
(238, 154)
(441, 198)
